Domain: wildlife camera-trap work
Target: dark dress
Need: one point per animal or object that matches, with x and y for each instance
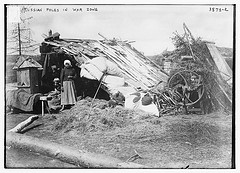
(68, 94)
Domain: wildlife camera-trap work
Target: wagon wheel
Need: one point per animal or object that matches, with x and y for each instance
(189, 81)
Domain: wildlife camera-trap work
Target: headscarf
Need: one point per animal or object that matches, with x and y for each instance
(67, 62)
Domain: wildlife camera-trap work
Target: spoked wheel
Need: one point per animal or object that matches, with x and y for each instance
(186, 85)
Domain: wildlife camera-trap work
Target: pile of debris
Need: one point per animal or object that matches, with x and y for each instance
(195, 58)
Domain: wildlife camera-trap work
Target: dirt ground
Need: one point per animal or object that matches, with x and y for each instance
(20, 158)
(174, 141)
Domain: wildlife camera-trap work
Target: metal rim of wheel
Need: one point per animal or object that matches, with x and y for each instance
(184, 82)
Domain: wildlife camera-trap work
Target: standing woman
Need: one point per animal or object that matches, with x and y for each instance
(68, 91)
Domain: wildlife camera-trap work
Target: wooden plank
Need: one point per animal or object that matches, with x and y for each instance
(221, 64)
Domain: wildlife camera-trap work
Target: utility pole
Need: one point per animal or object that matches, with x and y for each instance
(19, 40)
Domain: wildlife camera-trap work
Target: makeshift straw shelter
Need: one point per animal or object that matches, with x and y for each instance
(137, 70)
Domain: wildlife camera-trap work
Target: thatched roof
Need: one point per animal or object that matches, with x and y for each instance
(138, 70)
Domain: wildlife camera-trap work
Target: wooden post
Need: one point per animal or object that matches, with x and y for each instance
(45, 99)
(19, 40)
(42, 108)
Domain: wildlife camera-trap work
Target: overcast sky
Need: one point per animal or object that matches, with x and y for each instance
(151, 26)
